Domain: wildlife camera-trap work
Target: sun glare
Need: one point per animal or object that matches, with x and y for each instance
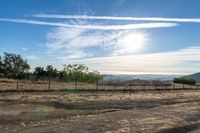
(132, 43)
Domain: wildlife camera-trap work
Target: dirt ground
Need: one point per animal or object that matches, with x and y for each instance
(100, 112)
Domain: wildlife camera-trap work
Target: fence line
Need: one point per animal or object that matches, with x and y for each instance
(24, 85)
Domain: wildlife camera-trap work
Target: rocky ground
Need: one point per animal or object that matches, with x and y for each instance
(100, 112)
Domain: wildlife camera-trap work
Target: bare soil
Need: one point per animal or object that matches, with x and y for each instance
(100, 112)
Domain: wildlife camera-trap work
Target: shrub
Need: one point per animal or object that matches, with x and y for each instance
(189, 81)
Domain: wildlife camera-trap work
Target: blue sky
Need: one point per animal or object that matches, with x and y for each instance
(115, 36)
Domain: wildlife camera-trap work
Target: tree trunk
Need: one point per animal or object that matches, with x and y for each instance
(97, 87)
(17, 84)
(156, 86)
(130, 86)
(115, 87)
(76, 83)
(49, 84)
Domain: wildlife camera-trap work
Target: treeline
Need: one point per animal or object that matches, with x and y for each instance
(69, 73)
(189, 81)
(15, 67)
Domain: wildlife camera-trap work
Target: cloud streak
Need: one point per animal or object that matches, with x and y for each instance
(93, 27)
(183, 61)
(80, 43)
(162, 19)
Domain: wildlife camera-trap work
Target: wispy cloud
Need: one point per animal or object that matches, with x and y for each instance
(72, 49)
(182, 61)
(94, 27)
(74, 43)
(193, 20)
(32, 57)
(24, 49)
(71, 43)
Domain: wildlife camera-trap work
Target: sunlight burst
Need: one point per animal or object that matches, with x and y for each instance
(131, 43)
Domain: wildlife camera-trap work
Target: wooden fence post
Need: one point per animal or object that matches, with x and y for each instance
(17, 84)
(130, 86)
(115, 86)
(97, 86)
(49, 84)
(156, 86)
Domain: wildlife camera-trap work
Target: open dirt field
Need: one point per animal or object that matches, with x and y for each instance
(100, 112)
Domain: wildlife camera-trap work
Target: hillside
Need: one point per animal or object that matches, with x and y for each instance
(195, 76)
(140, 76)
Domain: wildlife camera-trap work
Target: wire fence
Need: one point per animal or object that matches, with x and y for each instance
(28, 85)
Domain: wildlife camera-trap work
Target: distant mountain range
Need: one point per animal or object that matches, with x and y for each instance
(195, 76)
(124, 77)
(141, 77)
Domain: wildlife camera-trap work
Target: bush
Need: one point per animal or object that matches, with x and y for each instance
(189, 81)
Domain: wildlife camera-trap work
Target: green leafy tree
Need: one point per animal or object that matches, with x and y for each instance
(92, 77)
(14, 66)
(189, 81)
(39, 73)
(76, 72)
(64, 75)
(1, 68)
(51, 73)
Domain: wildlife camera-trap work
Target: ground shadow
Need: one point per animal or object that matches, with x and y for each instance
(182, 129)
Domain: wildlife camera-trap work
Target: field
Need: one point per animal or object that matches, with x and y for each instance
(100, 111)
(24, 85)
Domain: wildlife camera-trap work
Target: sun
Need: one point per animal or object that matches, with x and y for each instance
(131, 43)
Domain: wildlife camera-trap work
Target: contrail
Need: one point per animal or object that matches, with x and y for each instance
(94, 27)
(193, 20)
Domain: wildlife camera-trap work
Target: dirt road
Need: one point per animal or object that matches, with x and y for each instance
(97, 112)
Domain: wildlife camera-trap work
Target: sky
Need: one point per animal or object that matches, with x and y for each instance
(111, 36)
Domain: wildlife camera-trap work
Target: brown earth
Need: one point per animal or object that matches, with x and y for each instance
(100, 112)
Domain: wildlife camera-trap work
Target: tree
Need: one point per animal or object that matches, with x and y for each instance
(92, 77)
(76, 72)
(14, 66)
(63, 75)
(39, 73)
(189, 81)
(51, 73)
(1, 68)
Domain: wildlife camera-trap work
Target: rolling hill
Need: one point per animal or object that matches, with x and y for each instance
(195, 76)
(139, 76)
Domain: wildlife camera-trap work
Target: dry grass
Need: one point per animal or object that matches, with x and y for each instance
(9, 84)
(99, 112)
